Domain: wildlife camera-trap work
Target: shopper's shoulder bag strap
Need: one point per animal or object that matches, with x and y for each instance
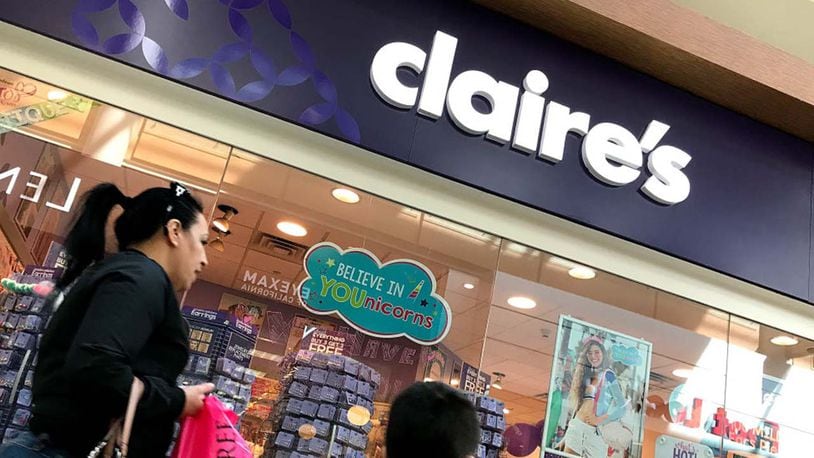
(136, 390)
(115, 443)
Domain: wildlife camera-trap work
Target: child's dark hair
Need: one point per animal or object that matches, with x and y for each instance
(432, 420)
(143, 216)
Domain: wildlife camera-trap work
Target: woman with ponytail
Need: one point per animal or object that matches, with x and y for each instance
(119, 321)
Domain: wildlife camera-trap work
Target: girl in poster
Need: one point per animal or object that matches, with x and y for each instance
(598, 417)
(582, 437)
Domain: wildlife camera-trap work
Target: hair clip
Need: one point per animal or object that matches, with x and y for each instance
(178, 189)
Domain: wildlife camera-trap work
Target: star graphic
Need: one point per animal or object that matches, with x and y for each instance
(330, 262)
(423, 302)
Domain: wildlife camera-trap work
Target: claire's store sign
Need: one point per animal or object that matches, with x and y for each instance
(392, 299)
(610, 152)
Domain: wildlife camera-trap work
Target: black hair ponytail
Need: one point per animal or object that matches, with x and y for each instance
(85, 243)
(144, 215)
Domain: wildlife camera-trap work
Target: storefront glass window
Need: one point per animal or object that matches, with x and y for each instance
(769, 375)
(565, 356)
(258, 270)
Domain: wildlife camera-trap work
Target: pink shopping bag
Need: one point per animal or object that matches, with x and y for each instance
(211, 434)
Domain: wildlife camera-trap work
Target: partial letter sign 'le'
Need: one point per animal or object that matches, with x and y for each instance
(610, 152)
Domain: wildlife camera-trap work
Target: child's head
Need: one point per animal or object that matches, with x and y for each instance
(432, 419)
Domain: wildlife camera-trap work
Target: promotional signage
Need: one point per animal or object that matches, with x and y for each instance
(211, 316)
(473, 380)
(239, 348)
(243, 314)
(324, 341)
(591, 365)
(57, 256)
(43, 272)
(221, 317)
(763, 435)
(670, 447)
(463, 92)
(394, 299)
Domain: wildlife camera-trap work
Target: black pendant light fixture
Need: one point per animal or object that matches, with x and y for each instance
(221, 224)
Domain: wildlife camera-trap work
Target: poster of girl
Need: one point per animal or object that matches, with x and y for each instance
(601, 377)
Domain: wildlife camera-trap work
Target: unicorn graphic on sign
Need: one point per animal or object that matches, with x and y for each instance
(414, 293)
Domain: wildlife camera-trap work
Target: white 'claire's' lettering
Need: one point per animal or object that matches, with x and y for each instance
(610, 152)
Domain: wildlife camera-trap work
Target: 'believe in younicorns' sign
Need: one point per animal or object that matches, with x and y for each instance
(394, 299)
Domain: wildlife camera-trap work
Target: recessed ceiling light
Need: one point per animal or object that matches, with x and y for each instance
(455, 382)
(56, 95)
(292, 229)
(582, 273)
(506, 411)
(428, 379)
(345, 195)
(682, 373)
(784, 341)
(522, 302)
(469, 286)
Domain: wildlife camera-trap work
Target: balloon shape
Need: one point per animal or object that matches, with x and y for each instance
(307, 431)
(522, 439)
(358, 415)
(43, 288)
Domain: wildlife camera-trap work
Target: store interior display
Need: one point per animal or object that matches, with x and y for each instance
(219, 350)
(322, 409)
(23, 315)
(492, 424)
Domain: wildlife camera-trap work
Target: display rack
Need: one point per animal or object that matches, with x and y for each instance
(311, 417)
(492, 423)
(23, 317)
(220, 352)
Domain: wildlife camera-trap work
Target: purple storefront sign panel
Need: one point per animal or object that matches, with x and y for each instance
(460, 91)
